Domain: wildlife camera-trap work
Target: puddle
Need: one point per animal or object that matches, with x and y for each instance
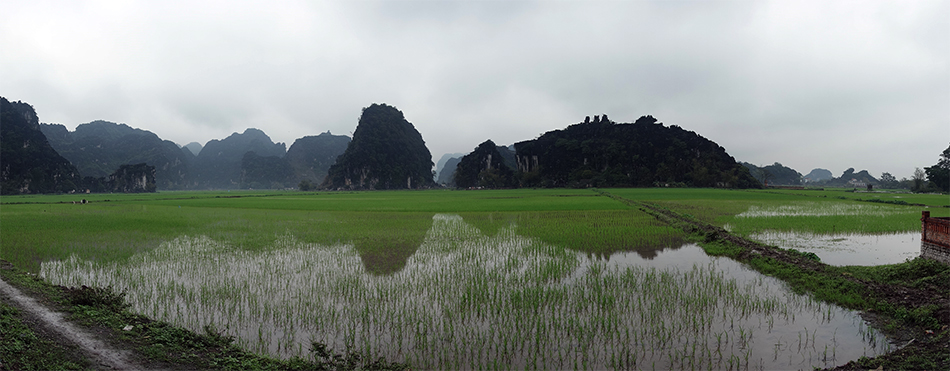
(465, 299)
(848, 249)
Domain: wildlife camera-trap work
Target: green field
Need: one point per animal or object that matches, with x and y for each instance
(425, 276)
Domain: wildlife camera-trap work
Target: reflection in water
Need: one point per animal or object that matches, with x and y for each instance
(470, 300)
(387, 253)
(849, 249)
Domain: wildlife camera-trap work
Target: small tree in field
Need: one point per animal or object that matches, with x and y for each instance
(918, 179)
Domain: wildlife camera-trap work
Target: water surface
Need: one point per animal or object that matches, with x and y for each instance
(466, 299)
(847, 248)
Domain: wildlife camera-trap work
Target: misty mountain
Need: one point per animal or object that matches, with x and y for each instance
(387, 152)
(29, 163)
(219, 164)
(818, 175)
(447, 175)
(439, 165)
(849, 178)
(775, 174)
(486, 167)
(265, 172)
(601, 153)
(99, 148)
(194, 147)
(311, 156)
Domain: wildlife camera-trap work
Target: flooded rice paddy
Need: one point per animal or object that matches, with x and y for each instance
(848, 249)
(811, 227)
(465, 299)
(813, 209)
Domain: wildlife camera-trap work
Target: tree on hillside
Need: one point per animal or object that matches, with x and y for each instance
(939, 174)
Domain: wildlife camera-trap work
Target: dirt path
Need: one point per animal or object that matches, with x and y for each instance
(100, 353)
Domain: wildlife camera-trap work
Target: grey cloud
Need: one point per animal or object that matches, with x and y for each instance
(808, 84)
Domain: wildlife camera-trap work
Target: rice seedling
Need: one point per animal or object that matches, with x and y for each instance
(469, 299)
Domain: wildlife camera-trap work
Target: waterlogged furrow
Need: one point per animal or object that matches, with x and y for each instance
(467, 300)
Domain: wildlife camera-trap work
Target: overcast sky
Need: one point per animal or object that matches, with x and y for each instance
(810, 84)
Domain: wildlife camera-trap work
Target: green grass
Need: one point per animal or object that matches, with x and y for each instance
(885, 196)
(600, 232)
(820, 212)
(22, 349)
(45, 229)
(40, 228)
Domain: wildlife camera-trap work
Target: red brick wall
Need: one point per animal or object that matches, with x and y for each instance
(935, 230)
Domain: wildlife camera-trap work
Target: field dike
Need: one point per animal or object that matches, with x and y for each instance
(101, 354)
(916, 313)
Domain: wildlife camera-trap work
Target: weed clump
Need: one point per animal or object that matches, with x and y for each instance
(102, 297)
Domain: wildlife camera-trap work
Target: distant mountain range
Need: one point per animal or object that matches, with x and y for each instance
(98, 148)
(387, 152)
(31, 165)
(242, 160)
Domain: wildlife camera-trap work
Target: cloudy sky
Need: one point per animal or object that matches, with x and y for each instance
(829, 84)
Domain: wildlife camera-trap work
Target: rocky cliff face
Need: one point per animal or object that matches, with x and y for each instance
(28, 164)
(387, 152)
(136, 178)
(485, 167)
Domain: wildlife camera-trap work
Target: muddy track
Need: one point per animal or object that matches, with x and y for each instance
(103, 356)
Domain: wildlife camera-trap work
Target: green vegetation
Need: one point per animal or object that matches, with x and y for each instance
(22, 349)
(445, 264)
(600, 232)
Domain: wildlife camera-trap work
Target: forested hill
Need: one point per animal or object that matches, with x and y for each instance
(311, 156)
(775, 174)
(387, 152)
(30, 164)
(646, 153)
(487, 166)
(219, 164)
(99, 148)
